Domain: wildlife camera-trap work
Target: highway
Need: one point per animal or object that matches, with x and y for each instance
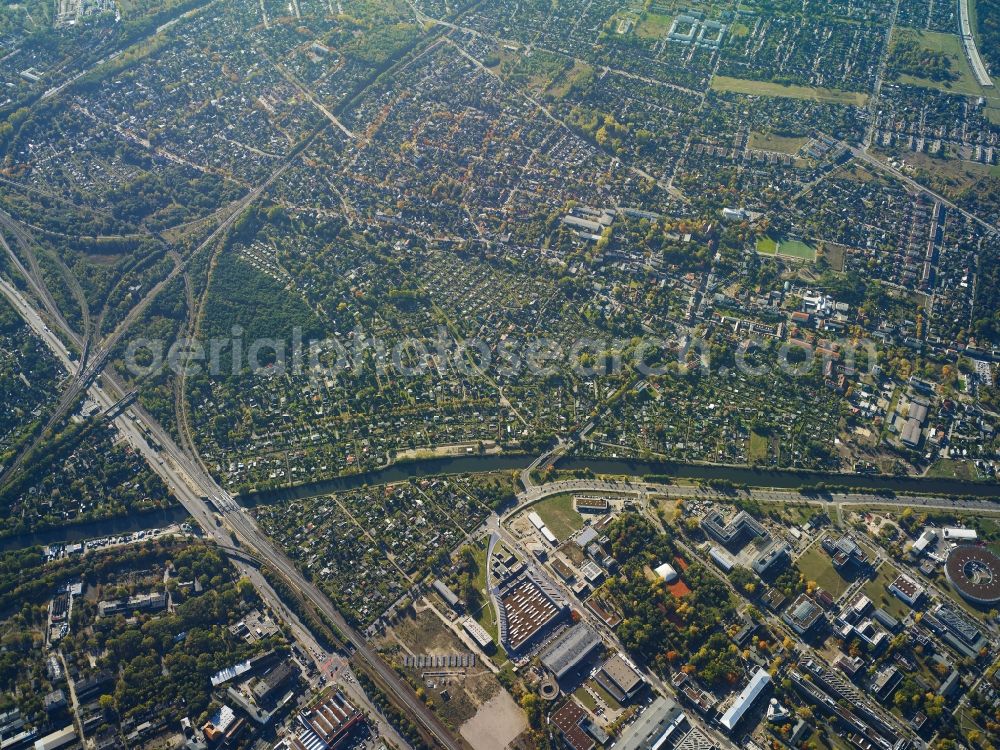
(192, 487)
(971, 50)
(760, 494)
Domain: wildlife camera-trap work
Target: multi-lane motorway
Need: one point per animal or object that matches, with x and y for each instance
(194, 489)
(200, 494)
(535, 493)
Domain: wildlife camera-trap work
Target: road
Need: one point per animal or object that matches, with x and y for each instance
(643, 491)
(863, 155)
(971, 50)
(192, 487)
(879, 78)
(834, 499)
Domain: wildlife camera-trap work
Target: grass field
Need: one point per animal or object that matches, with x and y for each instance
(486, 616)
(950, 177)
(797, 249)
(586, 699)
(779, 143)
(578, 74)
(757, 450)
(653, 26)
(768, 88)
(836, 256)
(875, 590)
(950, 45)
(767, 246)
(787, 248)
(559, 515)
(947, 44)
(950, 469)
(817, 566)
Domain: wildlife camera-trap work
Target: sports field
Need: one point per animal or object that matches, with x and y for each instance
(786, 248)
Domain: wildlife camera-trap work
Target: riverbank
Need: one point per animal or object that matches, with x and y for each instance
(784, 479)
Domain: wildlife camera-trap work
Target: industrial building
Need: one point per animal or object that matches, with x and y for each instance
(620, 678)
(959, 535)
(538, 523)
(754, 689)
(661, 723)
(56, 740)
(477, 633)
(139, 603)
(570, 649)
(574, 726)
(528, 610)
(267, 687)
(906, 590)
(449, 596)
(722, 559)
(590, 504)
(325, 726)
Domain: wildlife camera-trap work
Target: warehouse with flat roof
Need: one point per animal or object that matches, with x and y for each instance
(620, 678)
(570, 649)
(527, 611)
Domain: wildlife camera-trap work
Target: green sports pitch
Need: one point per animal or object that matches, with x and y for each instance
(786, 248)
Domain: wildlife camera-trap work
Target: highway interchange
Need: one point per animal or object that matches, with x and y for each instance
(195, 489)
(236, 532)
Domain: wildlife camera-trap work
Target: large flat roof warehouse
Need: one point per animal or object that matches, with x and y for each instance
(957, 534)
(477, 632)
(526, 611)
(621, 677)
(570, 720)
(324, 726)
(570, 649)
(746, 699)
(906, 589)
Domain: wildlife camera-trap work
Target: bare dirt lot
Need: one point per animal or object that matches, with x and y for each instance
(497, 723)
(458, 695)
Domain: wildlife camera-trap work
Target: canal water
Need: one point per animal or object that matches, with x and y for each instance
(738, 475)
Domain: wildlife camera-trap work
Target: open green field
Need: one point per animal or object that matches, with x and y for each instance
(947, 44)
(487, 616)
(771, 142)
(577, 75)
(797, 249)
(768, 88)
(950, 45)
(653, 25)
(558, 513)
(951, 469)
(757, 450)
(787, 248)
(817, 566)
(876, 590)
(767, 246)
